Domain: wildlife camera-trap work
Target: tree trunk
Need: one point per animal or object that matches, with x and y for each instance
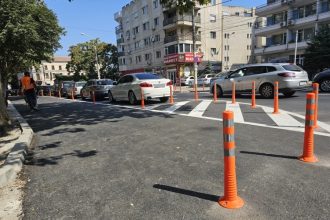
(4, 117)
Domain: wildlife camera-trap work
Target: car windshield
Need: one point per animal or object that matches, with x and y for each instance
(67, 84)
(104, 82)
(80, 83)
(292, 67)
(143, 76)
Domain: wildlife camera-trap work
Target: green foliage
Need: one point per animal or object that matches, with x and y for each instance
(83, 59)
(183, 5)
(317, 54)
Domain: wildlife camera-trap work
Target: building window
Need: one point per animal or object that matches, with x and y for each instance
(53, 67)
(155, 3)
(147, 56)
(59, 67)
(137, 44)
(138, 59)
(226, 47)
(237, 13)
(213, 2)
(147, 41)
(46, 67)
(158, 54)
(213, 34)
(187, 47)
(130, 60)
(213, 51)
(46, 75)
(136, 30)
(145, 10)
(213, 18)
(157, 38)
(156, 21)
(146, 26)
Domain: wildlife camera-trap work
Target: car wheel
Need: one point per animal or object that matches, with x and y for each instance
(267, 90)
(325, 85)
(132, 98)
(289, 94)
(163, 99)
(111, 99)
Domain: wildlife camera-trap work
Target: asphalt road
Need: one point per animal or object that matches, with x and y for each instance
(108, 162)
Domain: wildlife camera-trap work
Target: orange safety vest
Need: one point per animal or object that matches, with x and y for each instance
(26, 83)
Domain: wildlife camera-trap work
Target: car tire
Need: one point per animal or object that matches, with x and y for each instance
(325, 85)
(267, 91)
(132, 98)
(163, 99)
(289, 94)
(110, 96)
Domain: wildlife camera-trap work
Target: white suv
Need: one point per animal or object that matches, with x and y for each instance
(289, 76)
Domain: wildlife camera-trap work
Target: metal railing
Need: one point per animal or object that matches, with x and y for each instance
(169, 39)
(176, 19)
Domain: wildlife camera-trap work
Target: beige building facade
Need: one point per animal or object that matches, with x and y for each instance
(288, 25)
(153, 38)
(45, 75)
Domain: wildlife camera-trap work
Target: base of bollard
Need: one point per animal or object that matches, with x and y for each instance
(235, 204)
(253, 106)
(275, 113)
(312, 159)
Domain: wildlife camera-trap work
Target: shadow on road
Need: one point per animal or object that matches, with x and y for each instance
(269, 155)
(48, 146)
(200, 195)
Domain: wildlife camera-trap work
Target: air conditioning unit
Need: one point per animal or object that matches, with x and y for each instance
(283, 24)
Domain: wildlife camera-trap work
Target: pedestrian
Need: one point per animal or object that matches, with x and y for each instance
(29, 90)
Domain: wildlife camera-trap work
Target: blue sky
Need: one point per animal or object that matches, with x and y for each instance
(95, 18)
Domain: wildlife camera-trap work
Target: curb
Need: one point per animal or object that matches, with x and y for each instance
(14, 162)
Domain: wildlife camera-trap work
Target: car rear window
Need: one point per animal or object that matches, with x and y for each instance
(143, 76)
(292, 67)
(104, 82)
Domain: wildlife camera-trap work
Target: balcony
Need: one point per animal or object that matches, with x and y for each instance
(305, 21)
(120, 40)
(118, 16)
(324, 16)
(121, 54)
(173, 38)
(300, 45)
(271, 49)
(119, 29)
(264, 30)
(273, 7)
(181, 20)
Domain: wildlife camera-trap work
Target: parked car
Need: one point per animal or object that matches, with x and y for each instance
(205, 79)
(62, 86)
(219, 76)
(289, 76)
(77, 86)
(129, 88)
(100, 87)
(188, 81)
(45, 90)
(323, 78)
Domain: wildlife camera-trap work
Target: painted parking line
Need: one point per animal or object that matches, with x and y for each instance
(282, 119)
(238, 116)
(175, 107)
(200, 108)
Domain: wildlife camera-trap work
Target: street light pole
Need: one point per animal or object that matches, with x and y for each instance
(96, 57)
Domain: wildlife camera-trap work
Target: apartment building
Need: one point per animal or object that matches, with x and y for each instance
(153, 38)
(45, 75)
(285, 22)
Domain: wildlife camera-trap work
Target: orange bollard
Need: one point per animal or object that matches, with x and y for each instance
(142, 99)
(308, 152)
(215, 95)
(59, 93)
(316, 92)
(94, 97)
(72, 95)
(253, 101)
(276, 98)
(171, 96)
(196, 92)
(42, 92)
(50, 92)
(230, 199)
(233, 93)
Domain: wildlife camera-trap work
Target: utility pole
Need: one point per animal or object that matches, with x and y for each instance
(295, 48)
(194, 52)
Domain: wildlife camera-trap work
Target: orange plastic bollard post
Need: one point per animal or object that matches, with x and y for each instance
(316, 92)
(196, 92)
(233, 94)
(276, 111)
(93, 97)
(215, 95)
(230, 199)
(42, 92)
(142, 99)
(59, 93)
(253, 101)
(72, 94)
(171, 96)
(50, 92)
(308, 152)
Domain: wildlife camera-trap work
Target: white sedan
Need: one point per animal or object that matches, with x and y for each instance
(129, 88)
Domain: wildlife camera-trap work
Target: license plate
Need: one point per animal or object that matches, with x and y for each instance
(159, 85)
(304, 83)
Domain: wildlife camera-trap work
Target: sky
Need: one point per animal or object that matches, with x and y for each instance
(95, 18)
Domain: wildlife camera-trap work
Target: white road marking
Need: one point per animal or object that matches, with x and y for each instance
(152, 107)
(282, 119)
(175, 107)
(238, 116)
(200, 108)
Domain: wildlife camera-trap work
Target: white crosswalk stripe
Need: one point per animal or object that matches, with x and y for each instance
(282, 119)
(175, 106)
(238, 116)
(199, 110)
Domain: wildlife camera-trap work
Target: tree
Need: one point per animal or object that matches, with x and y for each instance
(183, 5)
(83, 59)
(317, 54)
(29, 33)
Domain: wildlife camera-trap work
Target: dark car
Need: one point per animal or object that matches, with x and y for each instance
(63, 87)
(45, 90)
(100, 87)
(323, 78)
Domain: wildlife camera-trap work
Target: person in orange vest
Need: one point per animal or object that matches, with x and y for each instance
(29, 90)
